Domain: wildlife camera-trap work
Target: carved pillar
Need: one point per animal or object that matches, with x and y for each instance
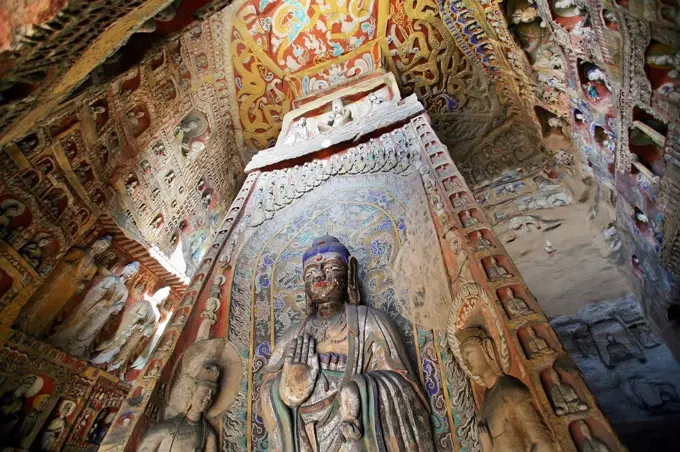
(527, 346)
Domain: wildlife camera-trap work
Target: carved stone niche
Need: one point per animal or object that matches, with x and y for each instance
(452, 183)
(551, 124)
(28, 144)
(563, 390)
(444, 170)
(610, 20)
(604, 139)
(614, 342)
(647, 137)
(537, 340)
(470, 217)
(439, 157)
(481, 240)
(461, 199)
(595, 82)
(580, 119)
(516, 300)
(498, 268)
(662, 66)
(591, 435)
(130, 82)
(569, 14)
(138, 119)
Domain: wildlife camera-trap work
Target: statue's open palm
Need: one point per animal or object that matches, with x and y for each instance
(300, 371)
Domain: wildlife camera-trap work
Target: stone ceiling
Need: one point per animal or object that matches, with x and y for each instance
(281, 51)
(167, 96)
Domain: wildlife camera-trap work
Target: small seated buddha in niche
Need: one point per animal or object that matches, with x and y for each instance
(468, 219)
(597, 85)
(341, 379)
(663, 68)
(536, 346)
(496, 272)
(338, 117)
(570, 14)
(524, 12)
(508, 419)
(563, 397)
(482, 242)
(589, 442)
(459, 201)
(515, 307)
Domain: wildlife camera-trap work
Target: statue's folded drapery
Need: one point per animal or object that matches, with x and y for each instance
(393, 412)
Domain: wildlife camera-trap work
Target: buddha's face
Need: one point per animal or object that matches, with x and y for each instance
(325, 277)
(202, 397)
(100, 246)
(337, 106)
(475, 357)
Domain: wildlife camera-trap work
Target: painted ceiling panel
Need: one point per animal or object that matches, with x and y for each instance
(284, 50)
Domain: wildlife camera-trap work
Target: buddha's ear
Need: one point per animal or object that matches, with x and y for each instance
(491, 354)
(353, 281)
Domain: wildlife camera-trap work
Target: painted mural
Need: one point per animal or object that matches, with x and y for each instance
(287, 50)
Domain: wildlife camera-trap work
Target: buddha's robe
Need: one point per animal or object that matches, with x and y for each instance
(80, 330)
(73, 272)
(393, 414)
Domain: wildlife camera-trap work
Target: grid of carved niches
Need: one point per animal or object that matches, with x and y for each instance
(51, 48)
(548, 365)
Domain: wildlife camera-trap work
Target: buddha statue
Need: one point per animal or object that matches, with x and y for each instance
(138, 323)
(563, 396)
(589, 442)
(189, 431)
(298, 132)
(514, 306)
(496, 272)
(70, 276)
(459, 201)
(338, 117)
(77, 334)
(341, 378)
(468, 219)
(508, 419)
(536, 346)
(482, 242)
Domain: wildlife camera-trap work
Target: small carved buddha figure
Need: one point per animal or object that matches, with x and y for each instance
(496, 272)
(341, 379)
(188, 431)
(563, 396)
(536, 346)
(618, 351)
(590, 443)
(298, 132)
(134, 117)
(468, 219)
(459, 201)
(338, 117)
(569, 13)
(482, 242)
(508, 418)
(515, 307)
